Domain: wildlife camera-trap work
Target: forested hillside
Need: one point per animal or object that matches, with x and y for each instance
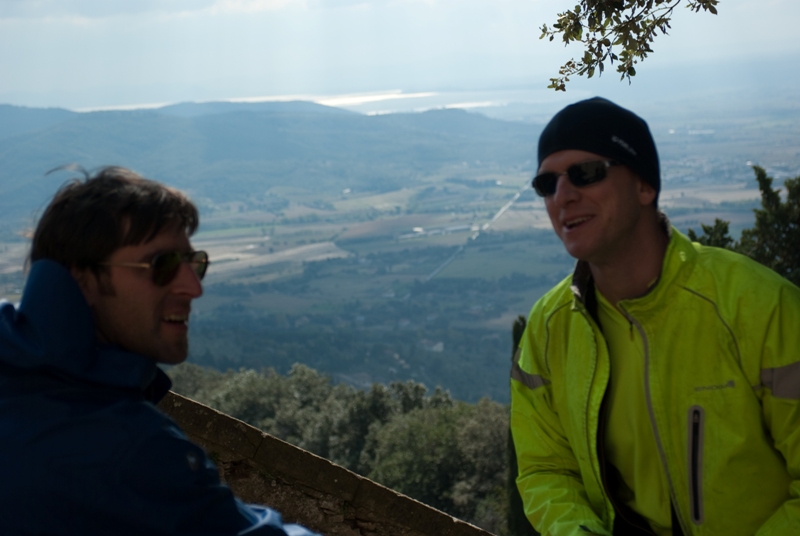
(443, 452)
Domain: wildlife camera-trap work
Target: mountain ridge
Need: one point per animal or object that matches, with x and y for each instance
(250, 152)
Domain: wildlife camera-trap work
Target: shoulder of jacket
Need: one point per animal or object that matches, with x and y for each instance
(731, 272)
(559, 299)
(553, 300)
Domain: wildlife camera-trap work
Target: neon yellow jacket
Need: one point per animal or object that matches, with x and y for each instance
(722, 378)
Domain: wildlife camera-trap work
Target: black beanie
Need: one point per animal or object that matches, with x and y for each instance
(599, 126)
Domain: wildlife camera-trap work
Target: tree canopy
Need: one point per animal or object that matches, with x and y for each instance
(446, 453)
(614, 31)
(773, 241)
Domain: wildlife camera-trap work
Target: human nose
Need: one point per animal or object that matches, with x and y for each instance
(565, 190)
(186, 282)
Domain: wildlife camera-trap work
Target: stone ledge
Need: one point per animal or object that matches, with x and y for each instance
(304, 487)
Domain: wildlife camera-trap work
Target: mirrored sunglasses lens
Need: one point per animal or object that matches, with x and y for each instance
(545, 184)
(587, 173)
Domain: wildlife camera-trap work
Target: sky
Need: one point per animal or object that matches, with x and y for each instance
(390, 54)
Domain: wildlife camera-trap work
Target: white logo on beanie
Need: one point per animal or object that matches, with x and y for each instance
(622, 143)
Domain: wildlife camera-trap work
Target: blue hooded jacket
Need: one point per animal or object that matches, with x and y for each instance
(83, 450)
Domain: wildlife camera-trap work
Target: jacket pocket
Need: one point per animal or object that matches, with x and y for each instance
(697, 417)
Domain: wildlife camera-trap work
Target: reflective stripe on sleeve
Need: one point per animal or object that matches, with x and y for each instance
(784, 382)
(531, 381)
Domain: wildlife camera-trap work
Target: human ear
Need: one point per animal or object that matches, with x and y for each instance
(647, 194)
(87, 282)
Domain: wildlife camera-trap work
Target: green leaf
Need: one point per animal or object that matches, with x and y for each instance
(599, 25)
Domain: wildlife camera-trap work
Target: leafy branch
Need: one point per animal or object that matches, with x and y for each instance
(774, 238)
(612, 31)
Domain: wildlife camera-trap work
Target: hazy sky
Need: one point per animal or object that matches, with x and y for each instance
(92, 53)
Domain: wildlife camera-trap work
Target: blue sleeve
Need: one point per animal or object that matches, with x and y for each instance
(169, 485)
(267, 520)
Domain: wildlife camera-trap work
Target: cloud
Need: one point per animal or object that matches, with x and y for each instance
(83, 10)
(256, 6)
(250, 6)
(95, 9)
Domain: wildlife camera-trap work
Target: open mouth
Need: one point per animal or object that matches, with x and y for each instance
(176, 319)
(572, 224)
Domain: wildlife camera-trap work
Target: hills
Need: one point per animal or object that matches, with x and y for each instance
(301, 206)
(228, 151)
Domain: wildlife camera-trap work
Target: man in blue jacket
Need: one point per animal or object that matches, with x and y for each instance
(83, 450)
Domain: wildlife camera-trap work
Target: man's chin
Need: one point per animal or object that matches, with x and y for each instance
(172, 360)
(172, 356)
(577, 251)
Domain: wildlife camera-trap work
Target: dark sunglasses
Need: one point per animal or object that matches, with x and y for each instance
(579, 175)
(165, 266)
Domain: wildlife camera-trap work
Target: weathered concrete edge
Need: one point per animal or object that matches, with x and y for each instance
(277, 458)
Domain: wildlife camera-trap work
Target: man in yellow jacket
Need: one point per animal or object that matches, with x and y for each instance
(656, 389)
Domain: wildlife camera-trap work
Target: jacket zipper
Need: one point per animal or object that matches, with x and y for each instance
(696, 418)
(651, 413)
(600, 449)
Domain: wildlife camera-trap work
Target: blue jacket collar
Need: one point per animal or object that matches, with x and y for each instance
(53, 330)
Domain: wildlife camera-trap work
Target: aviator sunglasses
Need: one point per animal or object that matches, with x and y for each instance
(579, 175)
(165, 266)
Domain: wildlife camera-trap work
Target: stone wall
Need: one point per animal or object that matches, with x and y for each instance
(305, 488)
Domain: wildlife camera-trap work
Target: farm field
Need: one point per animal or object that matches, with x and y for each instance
(415, 295)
